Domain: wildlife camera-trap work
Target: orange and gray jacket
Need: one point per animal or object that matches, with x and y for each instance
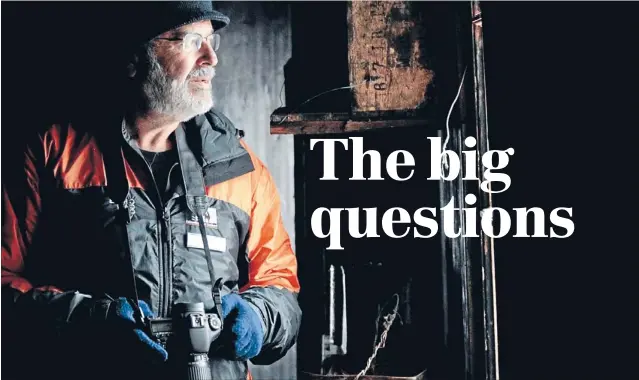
(59, 242)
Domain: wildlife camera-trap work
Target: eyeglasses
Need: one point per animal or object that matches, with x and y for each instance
(193, 41)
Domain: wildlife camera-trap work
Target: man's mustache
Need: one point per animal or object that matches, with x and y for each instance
(207, 72)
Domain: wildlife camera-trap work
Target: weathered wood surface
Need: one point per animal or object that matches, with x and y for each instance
(340, 122)
(386, 56)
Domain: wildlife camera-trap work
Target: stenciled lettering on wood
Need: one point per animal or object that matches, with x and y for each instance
(384, 42)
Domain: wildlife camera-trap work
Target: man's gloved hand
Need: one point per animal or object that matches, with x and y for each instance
(119, 328)
(121, 312)
(242, 327)
(102, 336)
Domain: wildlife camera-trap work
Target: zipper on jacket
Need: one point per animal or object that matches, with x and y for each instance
(161, 300)
(168, 270)
(164, 233)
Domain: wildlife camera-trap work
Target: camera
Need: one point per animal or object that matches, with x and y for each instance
(187, 337)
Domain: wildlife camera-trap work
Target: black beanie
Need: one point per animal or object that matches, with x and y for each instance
(150, 19)
(114, 31)
(142, 21)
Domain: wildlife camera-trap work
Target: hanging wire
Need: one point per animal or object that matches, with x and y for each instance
(318, 95)
(450, 111)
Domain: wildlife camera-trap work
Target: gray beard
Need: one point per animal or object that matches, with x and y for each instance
(168, 97)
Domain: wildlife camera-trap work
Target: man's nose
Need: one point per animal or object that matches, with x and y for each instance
(208, 54)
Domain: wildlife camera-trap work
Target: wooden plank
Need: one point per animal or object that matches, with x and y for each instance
(282, 115)
(341, 122)
(385, 54)
(333, 126)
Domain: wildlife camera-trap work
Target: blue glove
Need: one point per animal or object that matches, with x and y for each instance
(121, 312)
(245, 326)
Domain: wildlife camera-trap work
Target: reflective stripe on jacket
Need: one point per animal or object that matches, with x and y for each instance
(58, 241)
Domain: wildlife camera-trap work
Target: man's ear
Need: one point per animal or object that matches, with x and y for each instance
(131, 68)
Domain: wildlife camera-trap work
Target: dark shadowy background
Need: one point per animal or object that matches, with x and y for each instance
(560, 92)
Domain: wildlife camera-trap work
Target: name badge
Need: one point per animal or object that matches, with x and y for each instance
(216, 243)
(210, 218)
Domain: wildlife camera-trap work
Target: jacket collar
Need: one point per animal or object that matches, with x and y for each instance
(215, 142)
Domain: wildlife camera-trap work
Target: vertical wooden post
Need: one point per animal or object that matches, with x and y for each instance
(469, 288)
(485, 199)
(459, 279)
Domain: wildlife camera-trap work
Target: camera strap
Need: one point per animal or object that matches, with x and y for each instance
(117, 190)
(197, 202)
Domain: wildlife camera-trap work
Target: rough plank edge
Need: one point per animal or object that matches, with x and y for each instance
(281, 115)
(313, 127)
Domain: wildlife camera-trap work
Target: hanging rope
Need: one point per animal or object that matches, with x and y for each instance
(388, 322)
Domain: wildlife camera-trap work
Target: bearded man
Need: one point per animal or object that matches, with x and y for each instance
(156, 210)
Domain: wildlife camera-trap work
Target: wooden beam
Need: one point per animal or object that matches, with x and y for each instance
(343, 122)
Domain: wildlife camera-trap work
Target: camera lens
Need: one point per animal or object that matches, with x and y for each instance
(199, 368)
(195, 330)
